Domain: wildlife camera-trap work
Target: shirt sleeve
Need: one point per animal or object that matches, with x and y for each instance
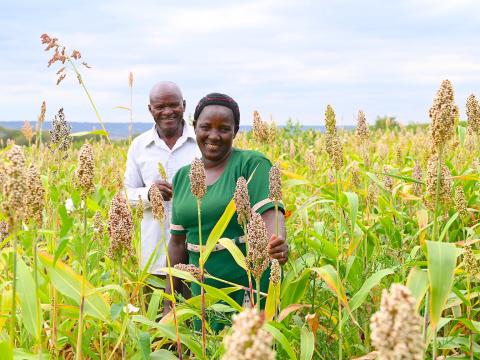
(258, 169)
(176, 227)
(133, 180)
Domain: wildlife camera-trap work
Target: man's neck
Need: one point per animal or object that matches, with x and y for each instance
(171, 139)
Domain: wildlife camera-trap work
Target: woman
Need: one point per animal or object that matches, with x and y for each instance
(216, 123)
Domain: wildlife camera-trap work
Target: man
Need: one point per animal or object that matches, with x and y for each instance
(171, 141)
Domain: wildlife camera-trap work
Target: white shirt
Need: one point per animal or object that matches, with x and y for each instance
(144, 154)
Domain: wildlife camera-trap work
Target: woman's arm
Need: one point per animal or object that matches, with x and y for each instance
(277, 246)
(177, 251)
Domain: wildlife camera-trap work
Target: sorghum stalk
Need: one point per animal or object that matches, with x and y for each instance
(437, 193)
(78, 353)
(339, 244)
(14, 293)
(202, 279)
(37, 293)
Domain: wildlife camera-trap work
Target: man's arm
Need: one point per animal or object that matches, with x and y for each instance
(277, 246)
(177, 251)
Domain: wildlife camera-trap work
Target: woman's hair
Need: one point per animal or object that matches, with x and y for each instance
(219, 99)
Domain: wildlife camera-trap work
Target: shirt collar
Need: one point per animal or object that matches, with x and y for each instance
(188, 132)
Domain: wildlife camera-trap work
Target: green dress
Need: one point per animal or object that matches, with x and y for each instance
(185, 219)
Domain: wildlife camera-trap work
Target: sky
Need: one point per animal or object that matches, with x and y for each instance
(284, 58)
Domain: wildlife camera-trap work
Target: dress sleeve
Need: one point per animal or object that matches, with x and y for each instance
(176, 227)
(258, 187)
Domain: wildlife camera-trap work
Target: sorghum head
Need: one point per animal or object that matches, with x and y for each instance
(190, 268)
(158, 205)
(139, 209)
(470, 262)
(275, 271)
(257, 258)
(60, 137)
(443, 114)
(248, 341)
(431, 183)
(242, 201)
(362, 127)
(396, 327)
(330, 122)
(473, 114)
(14, 184)
(460, 202)
(85, 173)
(120, 227)
(417, 175)
(275, 183)
(35, 196)
(198, 179)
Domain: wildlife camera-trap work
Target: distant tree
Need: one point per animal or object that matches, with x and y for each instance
(385, 122)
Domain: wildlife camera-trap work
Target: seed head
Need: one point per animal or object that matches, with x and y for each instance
(473, 114)
(275, 272)
(470, 262)
(35, 196)
(271, 132)
(139, 209)
(85, 173)
(362, 128)
(190, 268)
(460, 202)
(275, 183)
(336, 151)
(162, 172)
(27, 131)
(14, 185)
(330, 122)
(445, 182)
(372, 194)
(443, 114)
(257, 257)
(242, 201)
(387, 180)
(158, 205)
(396, 327)
(43, 109)
(130, 79)
(198, 179)
(292, 150)
(417, 175)
(248, 341)
(355, 174)
(260, 128)
(3, 230)
(98, 227)
(120, 227)
(60, 137)
(311, 161)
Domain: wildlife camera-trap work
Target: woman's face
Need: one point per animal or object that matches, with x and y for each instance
(215, 130)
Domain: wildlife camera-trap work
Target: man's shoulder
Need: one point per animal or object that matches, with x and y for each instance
(143, 139)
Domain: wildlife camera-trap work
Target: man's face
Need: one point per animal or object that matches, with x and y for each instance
(167, 108)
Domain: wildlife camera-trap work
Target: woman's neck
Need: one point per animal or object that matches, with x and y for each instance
(216, 164)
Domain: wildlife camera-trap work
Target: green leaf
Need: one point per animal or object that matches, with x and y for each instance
(168, 331)
(273, 299)
(234, 251)
(281, 339)
(307, 344)
(115, 311)
(353, 209)
(357, 300)
(447, 226)
(219, 294)
(60, 249)
(442, 259)
(69, 283)
(417, 282)
(93, 132)
(6, 351)
(292, 291)
(462, 132)
(162, 354)
(154, 304)
(144, 344)
(28, 298)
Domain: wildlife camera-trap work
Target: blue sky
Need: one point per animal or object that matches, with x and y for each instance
(283, 58)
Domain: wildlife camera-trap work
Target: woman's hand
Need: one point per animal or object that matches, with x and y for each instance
(278, 249)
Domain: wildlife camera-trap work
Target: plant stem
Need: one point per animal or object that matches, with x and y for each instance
(249, 274)
(174, 301)
(202, 290)
(339, 245)
(435, 236)
(257, 281)
(37, 294)
(14, 294)
(78, 353)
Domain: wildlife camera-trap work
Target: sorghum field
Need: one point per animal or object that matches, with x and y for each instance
(383, 228)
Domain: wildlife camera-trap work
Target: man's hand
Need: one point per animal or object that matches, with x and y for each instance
(165, 189)
(278, 249)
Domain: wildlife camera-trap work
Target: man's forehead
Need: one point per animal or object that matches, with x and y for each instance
(165, 88)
